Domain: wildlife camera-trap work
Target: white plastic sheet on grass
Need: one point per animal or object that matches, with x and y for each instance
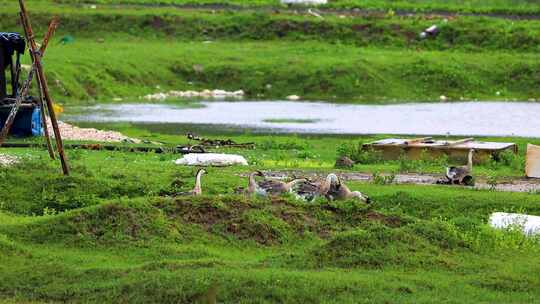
(529, 224)
(211, 159)
(305, 2)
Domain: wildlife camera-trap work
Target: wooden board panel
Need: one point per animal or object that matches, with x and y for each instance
(532, 168)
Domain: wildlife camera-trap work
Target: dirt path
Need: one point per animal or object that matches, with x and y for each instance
(506, 185)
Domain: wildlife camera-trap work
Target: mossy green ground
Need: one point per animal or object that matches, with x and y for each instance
(111, 233)
(129, 52)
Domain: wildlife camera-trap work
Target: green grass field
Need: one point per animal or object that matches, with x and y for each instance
(126, 53)
(518, 7)
(110, 233)
(113, 232)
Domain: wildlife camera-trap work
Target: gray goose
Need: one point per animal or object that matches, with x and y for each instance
(268, 187)
(197, 190)
(339, 191)
(309, 190)
(461, 174)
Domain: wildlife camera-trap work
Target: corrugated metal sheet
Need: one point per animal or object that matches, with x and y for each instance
(532, 168)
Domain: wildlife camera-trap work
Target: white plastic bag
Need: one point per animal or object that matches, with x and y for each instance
(211, 159)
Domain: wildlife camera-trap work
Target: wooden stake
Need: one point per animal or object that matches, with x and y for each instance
(43, 81)
(50, 32)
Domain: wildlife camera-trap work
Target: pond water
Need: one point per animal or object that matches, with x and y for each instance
(463, 118)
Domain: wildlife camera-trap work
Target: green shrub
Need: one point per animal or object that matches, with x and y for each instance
(358, 153)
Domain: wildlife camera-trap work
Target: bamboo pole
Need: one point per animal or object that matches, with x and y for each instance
(50, 32)
(43, 81)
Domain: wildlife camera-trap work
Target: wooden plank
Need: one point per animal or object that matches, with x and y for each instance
(532, 167)
(417, 140)
(461, 141)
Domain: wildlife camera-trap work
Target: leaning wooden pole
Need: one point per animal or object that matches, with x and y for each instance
(50, 33)
(43, 82)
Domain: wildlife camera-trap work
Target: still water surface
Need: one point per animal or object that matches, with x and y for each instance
(463, 118)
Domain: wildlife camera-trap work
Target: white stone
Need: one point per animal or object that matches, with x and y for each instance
(293, 97)
(443, 98)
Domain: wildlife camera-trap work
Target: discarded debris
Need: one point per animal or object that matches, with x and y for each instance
(431, 31)
(211, 159)
(528, 224)
(219, 142)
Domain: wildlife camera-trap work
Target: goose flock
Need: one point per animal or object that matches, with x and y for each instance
(332, 187)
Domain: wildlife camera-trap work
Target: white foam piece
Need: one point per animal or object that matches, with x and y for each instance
(211, 159)
(529, 224)
(305, 2)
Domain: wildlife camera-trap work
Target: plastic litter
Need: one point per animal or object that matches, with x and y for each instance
(304, 2)
(529, 224)
(211, 159)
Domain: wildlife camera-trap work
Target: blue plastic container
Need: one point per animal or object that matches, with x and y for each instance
(27, 121)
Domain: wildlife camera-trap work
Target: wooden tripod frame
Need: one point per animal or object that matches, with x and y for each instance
(43, 89)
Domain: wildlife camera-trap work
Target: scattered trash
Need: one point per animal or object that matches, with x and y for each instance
(218, 94)
(532, 167)
(431, 31)
(219, 142)
(293, 97)
(211, 159)
(528, 224)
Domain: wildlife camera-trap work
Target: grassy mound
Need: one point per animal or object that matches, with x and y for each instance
(47, 192)
(463, 33)
(103, 224)
(271, 222)
(415, 245)
(276, 69)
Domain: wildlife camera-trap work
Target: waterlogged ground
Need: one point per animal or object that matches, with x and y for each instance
(462, 118)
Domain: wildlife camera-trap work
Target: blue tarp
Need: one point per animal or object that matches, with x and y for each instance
(27, 122)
